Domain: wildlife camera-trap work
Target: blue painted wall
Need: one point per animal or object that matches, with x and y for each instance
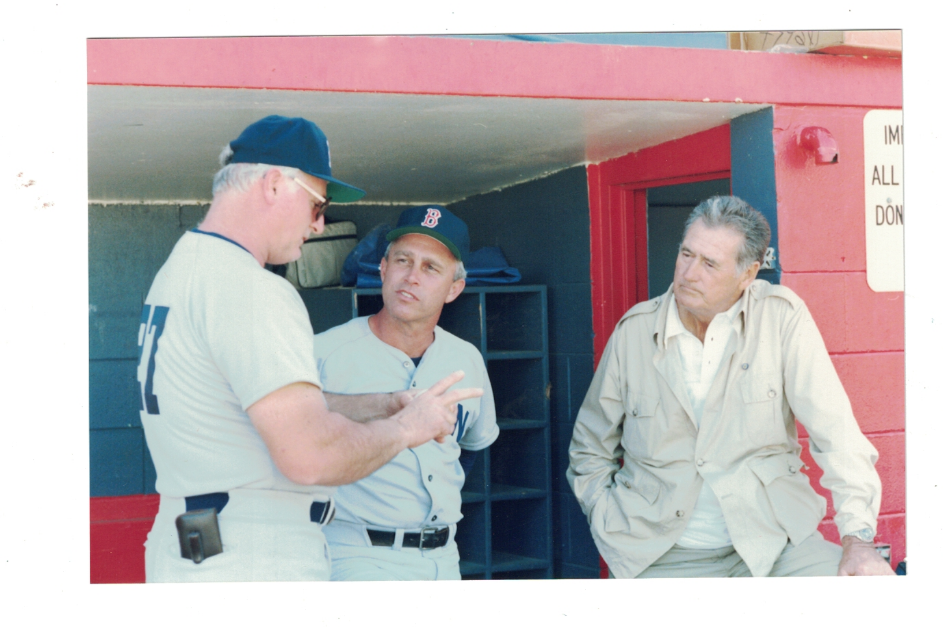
(753, 172)
(127, 244)
(717, 41)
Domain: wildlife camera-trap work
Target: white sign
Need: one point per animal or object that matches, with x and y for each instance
(884, 199)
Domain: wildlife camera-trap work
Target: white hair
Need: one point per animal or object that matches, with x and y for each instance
(460, 272)
(736, 214)
(240, 176)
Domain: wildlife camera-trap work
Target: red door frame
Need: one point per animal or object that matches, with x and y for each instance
(618, 217)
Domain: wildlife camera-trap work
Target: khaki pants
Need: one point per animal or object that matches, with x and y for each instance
(813, 557)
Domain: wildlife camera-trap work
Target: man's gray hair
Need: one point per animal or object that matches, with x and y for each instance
(240, 176)
(460, 272)
(735, 213)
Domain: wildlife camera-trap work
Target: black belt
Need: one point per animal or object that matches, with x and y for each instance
(428, 538)
(321, 512)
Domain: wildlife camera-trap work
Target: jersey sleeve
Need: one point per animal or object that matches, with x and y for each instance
(261, 337)
(484, 430)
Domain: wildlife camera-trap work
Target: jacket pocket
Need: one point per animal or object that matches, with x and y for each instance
(769, 469)
(795, 505)
(762, 407)
(606, 516)
(630, 497)
(644, 484)
(639, 405)
(640, 433)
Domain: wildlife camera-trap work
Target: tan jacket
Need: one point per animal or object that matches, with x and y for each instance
(747, 449)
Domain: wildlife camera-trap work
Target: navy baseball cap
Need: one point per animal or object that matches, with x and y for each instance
(436, 222)
(296, 143)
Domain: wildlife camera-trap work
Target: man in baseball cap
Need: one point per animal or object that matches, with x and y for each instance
(246, 449)
(292, 142)
(399, 522)
(438, 223)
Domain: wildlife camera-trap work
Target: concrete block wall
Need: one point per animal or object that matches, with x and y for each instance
(127, 244)
(822, 216)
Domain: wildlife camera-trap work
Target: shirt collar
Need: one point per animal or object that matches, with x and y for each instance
(674, 326)
(737, 312)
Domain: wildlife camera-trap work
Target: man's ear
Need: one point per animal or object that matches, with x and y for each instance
(270, 182)
(382, 269)
(455, 290)
(749, 274)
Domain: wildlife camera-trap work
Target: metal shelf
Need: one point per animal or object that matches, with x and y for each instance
(473, 497)
(510, 424)
(468, 567)
(501, 492)
(507, 562)
(513, 355)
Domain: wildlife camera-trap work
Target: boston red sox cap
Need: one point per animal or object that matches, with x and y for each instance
(292, 142)
(436, 222)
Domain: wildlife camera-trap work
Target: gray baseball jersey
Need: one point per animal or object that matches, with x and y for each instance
(420, 487)
(218, 333)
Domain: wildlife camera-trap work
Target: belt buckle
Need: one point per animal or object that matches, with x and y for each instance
(423, 537)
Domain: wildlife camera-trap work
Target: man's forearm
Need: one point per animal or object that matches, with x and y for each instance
(354, 450)
(311, 445)
(363, 407)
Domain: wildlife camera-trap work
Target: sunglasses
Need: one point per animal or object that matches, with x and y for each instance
(321, 206)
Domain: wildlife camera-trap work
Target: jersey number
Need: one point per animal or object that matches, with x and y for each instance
(152, 325)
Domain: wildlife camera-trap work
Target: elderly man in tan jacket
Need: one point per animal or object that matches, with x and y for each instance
(697, 394)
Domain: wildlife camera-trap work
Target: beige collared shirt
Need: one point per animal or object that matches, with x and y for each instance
(700, 364)
(746, 447)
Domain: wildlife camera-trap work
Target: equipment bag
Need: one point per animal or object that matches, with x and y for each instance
(364, 259)
(322, 257)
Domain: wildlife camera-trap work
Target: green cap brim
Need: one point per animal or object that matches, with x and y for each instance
(341, 192)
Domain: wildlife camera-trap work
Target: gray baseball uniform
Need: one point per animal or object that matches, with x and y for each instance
(218, 333)
(420, 487)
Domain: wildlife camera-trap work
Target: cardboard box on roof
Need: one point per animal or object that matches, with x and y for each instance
(884, 43)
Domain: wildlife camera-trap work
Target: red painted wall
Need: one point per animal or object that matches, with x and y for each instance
(435, 65)
(118, 529)
(821, 215)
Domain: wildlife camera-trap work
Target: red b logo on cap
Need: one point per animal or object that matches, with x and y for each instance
(432, 218)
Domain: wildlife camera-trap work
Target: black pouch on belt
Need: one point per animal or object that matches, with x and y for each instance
(198, 532)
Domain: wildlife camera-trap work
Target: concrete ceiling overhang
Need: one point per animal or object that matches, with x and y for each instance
(161, 144)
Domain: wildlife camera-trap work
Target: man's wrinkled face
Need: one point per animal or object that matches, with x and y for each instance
(417, 278)
(706, 280)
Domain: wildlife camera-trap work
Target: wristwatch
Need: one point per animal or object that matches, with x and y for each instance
(865, 535)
